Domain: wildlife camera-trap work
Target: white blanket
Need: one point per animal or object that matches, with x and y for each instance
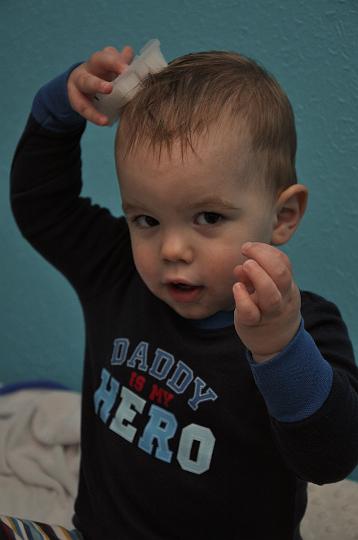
(39, 454)
(39, 463)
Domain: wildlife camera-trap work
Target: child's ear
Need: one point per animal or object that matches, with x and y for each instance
(289, 209)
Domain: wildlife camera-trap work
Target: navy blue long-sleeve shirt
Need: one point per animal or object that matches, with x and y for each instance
(183, 434)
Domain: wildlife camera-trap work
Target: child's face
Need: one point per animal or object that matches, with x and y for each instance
(188, 220)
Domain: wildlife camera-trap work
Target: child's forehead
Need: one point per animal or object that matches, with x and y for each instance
(217, 147)
(216, 168)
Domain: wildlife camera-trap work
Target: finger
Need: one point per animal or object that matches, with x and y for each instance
(241, 275)
(84, 106)
(273, 261)
(105, 63)
(267, 296)
(127, 54)
(247, 312)
(91, 85)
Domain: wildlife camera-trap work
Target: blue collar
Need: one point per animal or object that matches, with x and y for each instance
(221, 319)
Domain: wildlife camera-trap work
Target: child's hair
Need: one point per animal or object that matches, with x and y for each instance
(197, 90)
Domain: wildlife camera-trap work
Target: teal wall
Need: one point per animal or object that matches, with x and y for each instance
(311, 47)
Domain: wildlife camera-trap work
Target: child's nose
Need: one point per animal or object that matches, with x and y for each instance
(176, 247)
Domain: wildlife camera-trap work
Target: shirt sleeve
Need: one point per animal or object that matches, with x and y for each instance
(318, 441)
(296, 382)
(51, 107)
(84, 241)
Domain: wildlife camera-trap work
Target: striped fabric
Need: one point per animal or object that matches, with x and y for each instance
(22, 529)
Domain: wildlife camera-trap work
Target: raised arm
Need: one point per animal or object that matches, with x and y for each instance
(302, 361)
(81, 239)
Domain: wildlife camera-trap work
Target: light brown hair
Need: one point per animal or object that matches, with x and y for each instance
(195, 91)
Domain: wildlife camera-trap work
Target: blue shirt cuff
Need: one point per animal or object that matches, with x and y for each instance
(296, 382)
(51, 107)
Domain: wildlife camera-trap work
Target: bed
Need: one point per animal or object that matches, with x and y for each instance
(40, 454)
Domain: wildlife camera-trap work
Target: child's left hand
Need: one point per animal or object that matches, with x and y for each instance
(268, 301)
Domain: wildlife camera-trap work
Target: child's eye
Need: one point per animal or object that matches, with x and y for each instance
(145, 222)
(208, 218)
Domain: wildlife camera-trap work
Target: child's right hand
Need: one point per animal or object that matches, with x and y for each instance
(95, 76)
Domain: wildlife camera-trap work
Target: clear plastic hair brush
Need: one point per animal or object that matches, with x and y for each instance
(126, 85)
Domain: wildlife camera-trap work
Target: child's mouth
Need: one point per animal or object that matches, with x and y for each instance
(183, 292)
(183, 286)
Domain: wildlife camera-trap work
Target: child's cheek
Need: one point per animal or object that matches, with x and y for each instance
(144, 262)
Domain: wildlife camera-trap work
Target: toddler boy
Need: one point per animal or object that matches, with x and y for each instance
(213, 388)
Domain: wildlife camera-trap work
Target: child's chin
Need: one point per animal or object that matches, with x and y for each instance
(193, 312)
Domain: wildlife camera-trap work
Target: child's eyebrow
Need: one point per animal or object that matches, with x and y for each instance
(211, 201)
(206, 202)
(129, 207)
